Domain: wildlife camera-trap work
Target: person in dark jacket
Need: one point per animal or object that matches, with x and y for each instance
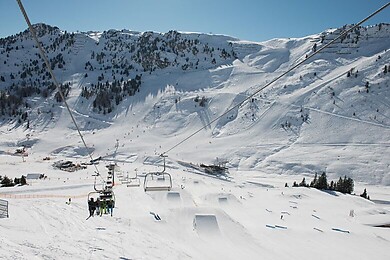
(91, 207)
(110, 206)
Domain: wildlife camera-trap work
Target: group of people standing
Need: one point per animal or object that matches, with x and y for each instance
(100, 207)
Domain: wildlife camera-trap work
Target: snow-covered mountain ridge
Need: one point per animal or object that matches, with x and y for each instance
(331, 114)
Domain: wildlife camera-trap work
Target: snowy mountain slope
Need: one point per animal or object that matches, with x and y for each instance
(315, 119)
(316, 105)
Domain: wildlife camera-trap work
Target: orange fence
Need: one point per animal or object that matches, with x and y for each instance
(39, 196)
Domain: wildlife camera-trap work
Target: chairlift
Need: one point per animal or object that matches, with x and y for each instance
(133, 181)
(103, 196)
(158, 181)
(106, 193)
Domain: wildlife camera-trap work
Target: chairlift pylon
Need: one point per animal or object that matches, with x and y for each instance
(158, 181)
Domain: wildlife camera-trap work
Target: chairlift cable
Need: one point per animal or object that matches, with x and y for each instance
(32, 30)
(280, 76)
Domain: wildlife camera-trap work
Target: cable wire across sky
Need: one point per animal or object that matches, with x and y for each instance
(344, 33)
(44, 57)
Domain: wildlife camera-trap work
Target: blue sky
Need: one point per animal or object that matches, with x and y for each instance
(254, 20)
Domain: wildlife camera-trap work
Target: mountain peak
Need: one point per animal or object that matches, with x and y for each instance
(41, 29)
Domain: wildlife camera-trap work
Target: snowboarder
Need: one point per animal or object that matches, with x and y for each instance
(69, 201)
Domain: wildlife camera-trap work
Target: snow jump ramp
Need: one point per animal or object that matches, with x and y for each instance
(206, 224)
(173, 196)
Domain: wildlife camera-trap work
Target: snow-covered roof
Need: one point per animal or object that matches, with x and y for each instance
(33, 176)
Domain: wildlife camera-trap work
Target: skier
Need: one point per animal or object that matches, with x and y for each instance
(91, 207)
(98, 205)
(103, 207)
(110, 206)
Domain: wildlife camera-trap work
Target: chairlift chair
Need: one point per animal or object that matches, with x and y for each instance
(158, 181)
(106, 193)
(109, 183)
(102, 195)
(133, 182)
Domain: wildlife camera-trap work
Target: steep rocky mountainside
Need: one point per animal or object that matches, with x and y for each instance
(112, 62)
(110, 65)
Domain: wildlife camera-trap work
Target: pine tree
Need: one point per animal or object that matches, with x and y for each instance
(349, 185)
(322, 183)
(340, 185)
(23, 180)
(331, 187)
(303, 183)
(6, 182)
(364, 194)
(345, 185)
(314, 182)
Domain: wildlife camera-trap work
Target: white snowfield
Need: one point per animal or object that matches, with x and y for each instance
(201, 218)
(313, 120)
